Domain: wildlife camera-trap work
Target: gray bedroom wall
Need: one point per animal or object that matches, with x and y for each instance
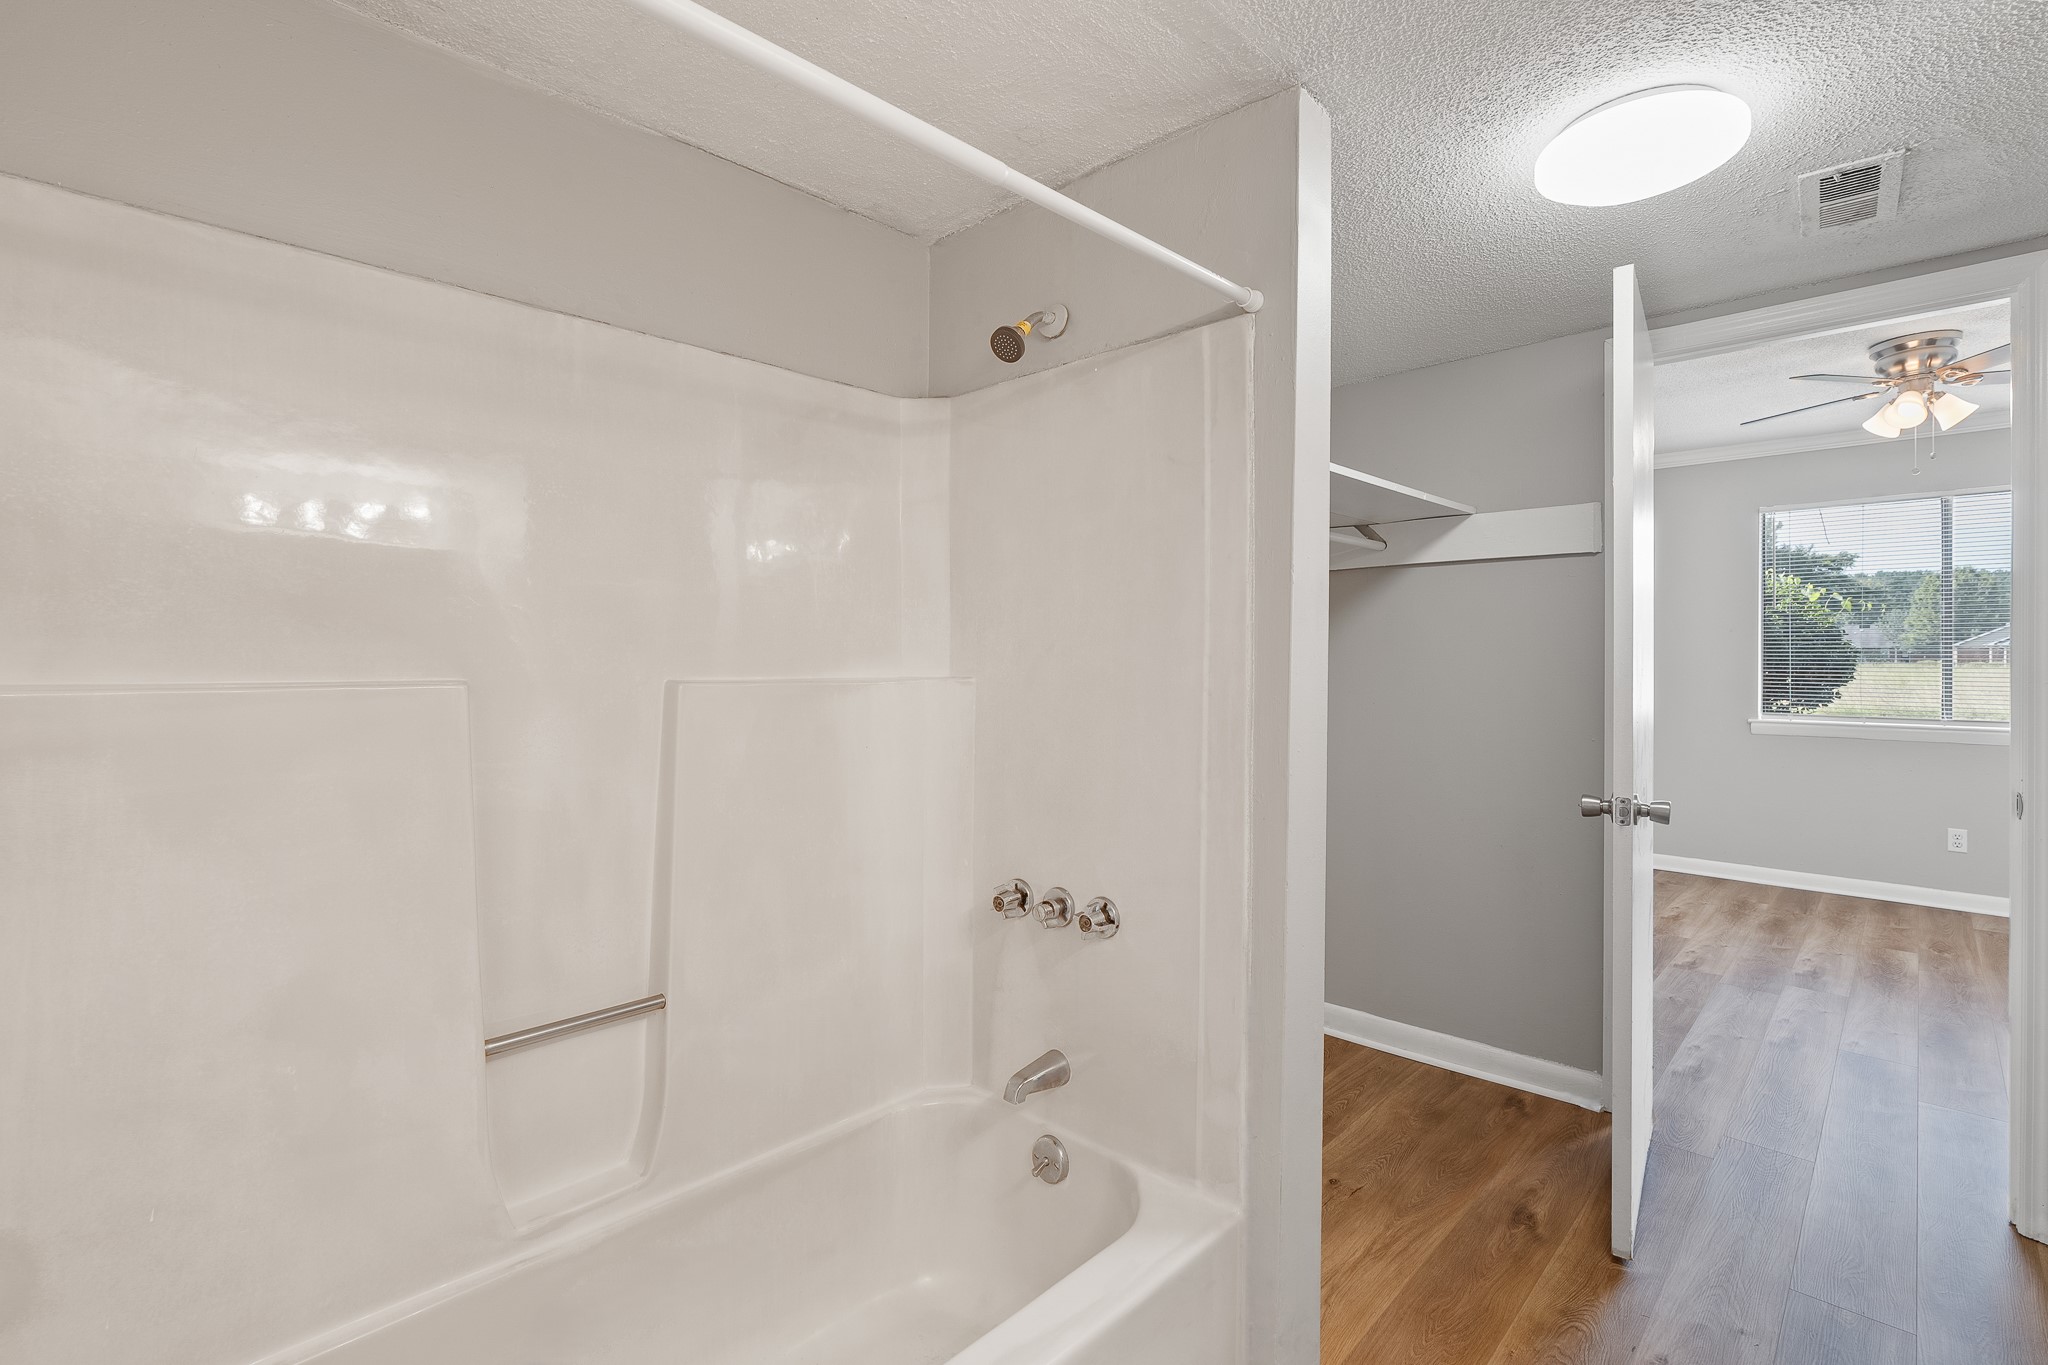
(305, 123)
(1465, 718)
(1871, 809)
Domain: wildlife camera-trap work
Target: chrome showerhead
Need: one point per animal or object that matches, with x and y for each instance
(1008, 341)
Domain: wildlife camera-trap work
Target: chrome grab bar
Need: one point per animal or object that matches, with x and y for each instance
(562, 1028)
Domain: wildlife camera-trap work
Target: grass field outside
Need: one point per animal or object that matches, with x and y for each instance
(1912, 691)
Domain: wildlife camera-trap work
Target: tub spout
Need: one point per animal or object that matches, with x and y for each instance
(1047, 1072)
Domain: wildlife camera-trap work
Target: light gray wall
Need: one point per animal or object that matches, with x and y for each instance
(1465, 718)
(1247, 195)
(302, 122)
(1455, 687)
(1876, 810)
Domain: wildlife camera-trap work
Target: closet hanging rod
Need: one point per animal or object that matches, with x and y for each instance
(751, 47)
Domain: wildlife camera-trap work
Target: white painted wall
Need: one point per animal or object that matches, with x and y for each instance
(1465, 719)
(304, 122)
(1868, 809)
(1248, 195)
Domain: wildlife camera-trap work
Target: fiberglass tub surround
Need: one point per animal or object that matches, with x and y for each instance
(398, 666)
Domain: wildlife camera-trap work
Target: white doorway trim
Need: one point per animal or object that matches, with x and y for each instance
(2023, 280)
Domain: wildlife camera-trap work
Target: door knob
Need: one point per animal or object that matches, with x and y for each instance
(1626, 810)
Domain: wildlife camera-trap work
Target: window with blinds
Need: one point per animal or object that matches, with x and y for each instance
(1893, 610)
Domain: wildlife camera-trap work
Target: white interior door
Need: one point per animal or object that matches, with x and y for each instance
(1630, 885)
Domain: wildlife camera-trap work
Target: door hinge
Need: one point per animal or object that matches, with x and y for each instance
(2019, 805)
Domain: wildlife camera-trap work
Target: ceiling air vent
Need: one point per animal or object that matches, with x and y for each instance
(1853, 192)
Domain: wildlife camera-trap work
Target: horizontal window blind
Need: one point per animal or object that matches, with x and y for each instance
(1893, 610)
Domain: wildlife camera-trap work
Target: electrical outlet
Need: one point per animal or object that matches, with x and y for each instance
(1959, 841)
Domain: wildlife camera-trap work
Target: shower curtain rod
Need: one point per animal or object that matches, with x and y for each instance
(751, 47)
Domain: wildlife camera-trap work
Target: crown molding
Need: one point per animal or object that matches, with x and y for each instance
(1958, 287)
(1799, 445)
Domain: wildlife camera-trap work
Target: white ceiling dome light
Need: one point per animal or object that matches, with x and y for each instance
(1643, 144)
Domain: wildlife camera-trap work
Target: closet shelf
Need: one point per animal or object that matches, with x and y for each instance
(1362, 500)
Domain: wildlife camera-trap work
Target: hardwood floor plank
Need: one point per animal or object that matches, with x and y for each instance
(1761, 965)
(1961, 1064)
(1465, 1222)
(1990, 951)
(1393, 1188)
(1708, 955)
(1789, 918)
(1355, 1079)
(1888, 924)
(1786, 1096)
(1680, 994)
(1951, 974)
(1696, 1095)
(1504, 1240)
(1590, 1309)
(1983, 1287)
(1663, 949)
(1817, 1333)
(1723, 1301)
(1730, 915)
(1858, 1247)
(1839, 925)
(1690, 902)
(1884, 1006)
(1830, 971)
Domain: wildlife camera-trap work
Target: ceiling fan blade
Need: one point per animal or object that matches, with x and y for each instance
(1982, 361)
(1837, 378)
(1874, 393)
(1993, 377)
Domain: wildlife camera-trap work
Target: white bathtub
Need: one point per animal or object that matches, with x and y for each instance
(913, 1237)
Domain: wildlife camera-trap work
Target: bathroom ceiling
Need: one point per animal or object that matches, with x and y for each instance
(1702, 403)
(1443, 247)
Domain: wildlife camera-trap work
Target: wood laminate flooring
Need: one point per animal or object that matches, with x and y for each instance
(1826, 1182)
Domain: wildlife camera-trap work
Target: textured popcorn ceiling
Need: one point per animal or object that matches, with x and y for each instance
(1442, 247)
(1701, 404)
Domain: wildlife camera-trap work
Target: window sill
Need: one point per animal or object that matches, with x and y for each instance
(1952, 733)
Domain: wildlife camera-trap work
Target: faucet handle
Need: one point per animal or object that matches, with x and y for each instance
(1013, 898)
(1100, 919)
(1056, 911)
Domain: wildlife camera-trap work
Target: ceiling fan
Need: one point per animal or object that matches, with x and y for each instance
(1917, 374)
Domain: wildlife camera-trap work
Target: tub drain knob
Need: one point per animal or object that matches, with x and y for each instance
(1049, 1159)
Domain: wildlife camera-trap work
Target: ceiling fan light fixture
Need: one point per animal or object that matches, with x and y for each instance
(1909, 409)
(1644, 144)
(1881, 423)
(1950, 409)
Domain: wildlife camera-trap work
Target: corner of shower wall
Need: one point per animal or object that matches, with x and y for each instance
(1101, 604)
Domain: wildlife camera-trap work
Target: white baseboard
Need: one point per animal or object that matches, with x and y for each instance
(1839, 886)
(1489, 1063)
